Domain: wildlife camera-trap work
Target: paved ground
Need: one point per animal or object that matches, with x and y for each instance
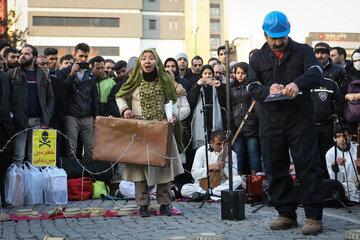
(193, 220)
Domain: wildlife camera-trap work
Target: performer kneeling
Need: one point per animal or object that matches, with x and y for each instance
(344, 145)
(145, 92)
(199, 170)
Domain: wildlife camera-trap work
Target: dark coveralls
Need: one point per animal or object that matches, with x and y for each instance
(288, 124)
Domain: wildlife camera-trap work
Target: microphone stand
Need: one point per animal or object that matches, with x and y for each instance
(232, 201)
(204, 112)
(336, 195)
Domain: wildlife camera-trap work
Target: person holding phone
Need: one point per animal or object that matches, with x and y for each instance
(210, 91)
(83, 102)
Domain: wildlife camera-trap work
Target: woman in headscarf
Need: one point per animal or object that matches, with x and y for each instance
(145, 93)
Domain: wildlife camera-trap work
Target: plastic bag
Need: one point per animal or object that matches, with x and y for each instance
(99, 187)
(14, 185)
(34, 184)
(55, 186)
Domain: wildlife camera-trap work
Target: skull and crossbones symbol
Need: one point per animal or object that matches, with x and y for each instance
(45, 139)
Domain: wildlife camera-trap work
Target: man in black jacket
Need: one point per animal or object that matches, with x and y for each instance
(328, 101)
(6, 131)
(83, 102)
(331, 70)
(32, 100)
(287, 70)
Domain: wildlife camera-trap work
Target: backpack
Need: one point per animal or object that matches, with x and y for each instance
(15, 72)
(79, 188)
(352, 108)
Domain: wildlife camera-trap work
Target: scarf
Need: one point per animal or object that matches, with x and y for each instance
(197, 127)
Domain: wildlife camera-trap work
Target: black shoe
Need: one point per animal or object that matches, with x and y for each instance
(6, 205)
(198, 197)
(144, 211)
(165, 210)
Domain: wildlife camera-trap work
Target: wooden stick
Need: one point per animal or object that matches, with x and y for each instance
(243, 122)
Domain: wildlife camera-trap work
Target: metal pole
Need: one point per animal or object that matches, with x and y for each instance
(228, 122)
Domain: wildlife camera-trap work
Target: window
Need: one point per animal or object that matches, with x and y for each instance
(102, 51)
(152, 24)
(76, 21)
(173, 24)
(170, 24)
(176, 25)
(214, 40)
(214, 10)
(152, 0)
(214, 25)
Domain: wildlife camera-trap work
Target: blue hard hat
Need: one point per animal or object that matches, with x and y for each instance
(276, 25)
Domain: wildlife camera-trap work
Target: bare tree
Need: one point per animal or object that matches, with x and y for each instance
(15, 37)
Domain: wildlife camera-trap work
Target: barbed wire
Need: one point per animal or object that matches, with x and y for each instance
(148, 146)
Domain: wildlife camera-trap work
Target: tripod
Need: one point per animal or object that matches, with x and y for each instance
(204, 112)
(267, 202)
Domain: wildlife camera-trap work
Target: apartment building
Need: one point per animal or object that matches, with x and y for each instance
(206, 27)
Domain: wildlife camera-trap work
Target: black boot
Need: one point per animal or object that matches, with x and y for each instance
(6, 205)
(165, 210)
(144, 211)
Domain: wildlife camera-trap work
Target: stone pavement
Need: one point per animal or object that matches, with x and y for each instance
(193, 220)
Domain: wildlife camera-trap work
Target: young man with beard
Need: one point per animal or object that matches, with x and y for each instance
(83, 102)
(66, 61)
(182, 60)
(221, 55)
(32, 101)
(120, 71)
(171, 64)
(52, 56)
(104, 83)
(289, 70)
(109, 68)
(11, 59)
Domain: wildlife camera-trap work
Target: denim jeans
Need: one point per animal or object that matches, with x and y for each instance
(83, 127)
(251, 146)
(24, 141)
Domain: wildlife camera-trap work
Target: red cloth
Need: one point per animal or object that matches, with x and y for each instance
(108, 213)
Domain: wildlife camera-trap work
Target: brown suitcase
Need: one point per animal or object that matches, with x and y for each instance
(114, 135)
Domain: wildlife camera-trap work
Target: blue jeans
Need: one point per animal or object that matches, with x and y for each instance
(251, 146)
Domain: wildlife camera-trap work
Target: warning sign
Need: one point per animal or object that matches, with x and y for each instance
(44, 148)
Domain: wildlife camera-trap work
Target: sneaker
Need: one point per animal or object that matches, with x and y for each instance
(144, 211)
(118, 194)
(283, 223)
(165, 210)
(312, 227)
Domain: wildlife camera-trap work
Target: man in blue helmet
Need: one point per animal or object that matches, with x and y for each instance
(279, 79)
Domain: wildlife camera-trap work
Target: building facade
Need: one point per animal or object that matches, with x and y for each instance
(116, 29)
(349, 41)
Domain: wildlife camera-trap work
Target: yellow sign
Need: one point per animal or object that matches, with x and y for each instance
(44, 148)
